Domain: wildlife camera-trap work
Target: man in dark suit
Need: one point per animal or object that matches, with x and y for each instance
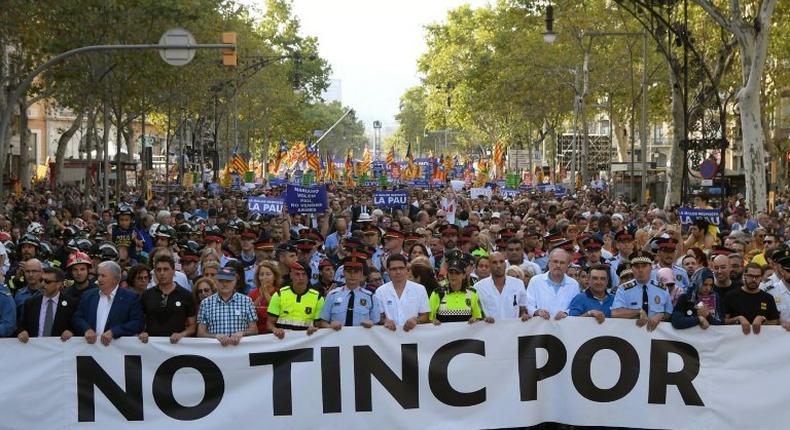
(109, 310)
(48, 314)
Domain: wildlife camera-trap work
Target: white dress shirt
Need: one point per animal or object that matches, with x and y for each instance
(412, 302)
(504, 305)
(543, 293)
(103, 310)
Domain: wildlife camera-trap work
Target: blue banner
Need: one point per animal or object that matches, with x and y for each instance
(277, 182)
(265, 205)
(688, 215)
(370, 183)
(390, 199)
(509, 192)
(419, 183)
(308, 200)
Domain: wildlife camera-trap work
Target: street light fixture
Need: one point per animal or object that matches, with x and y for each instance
(549, 36)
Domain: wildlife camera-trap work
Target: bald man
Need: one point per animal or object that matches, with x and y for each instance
(33, 270)
(723, 283)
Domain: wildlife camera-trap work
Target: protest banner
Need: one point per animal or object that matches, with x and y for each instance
(391, 199)
(306, 200)
(265, 205)
(502, 375)
(478, 192)
(688, 215)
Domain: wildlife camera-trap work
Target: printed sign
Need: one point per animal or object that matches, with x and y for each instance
(688, 215)
(306, 200)
(265, 205)
(477, 192)
(390, 199)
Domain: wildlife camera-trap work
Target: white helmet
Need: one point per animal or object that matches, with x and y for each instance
(35, 229)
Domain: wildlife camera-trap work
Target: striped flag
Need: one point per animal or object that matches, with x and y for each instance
(410, 170)
(366, 161)
(313, 160)
(238, 164)
(297, 154)
(349, 166)
(499, 156)
(331, 175)
(278, 159)
(391, 156)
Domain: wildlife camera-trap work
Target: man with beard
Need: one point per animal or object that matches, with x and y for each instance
(33, 270)
(723, 284)
(501, 297)
(450, 237)
(736, 266)
(78, 265)
(750, 306)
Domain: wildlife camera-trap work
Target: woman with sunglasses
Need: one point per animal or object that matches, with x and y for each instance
(202, 289)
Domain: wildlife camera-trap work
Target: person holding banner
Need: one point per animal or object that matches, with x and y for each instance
(403, 303)
(642, 299)
(352, 304)
(108, 311)
(501, 297)
(596, 302)
(549, 294)
(227, 315)
(750, 306)
(295, 307)
(458, 301)
(699, 305)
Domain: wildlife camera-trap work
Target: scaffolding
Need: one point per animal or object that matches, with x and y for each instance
(599, 154)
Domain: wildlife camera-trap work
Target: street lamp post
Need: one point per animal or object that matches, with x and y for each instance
(376, 138)
(549, 36)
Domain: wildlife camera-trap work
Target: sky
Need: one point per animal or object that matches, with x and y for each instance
(373, 46)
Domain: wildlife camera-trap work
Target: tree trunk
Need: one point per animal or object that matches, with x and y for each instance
(23, 169)
(620, 137)
(753, 150)
(63, 141)
(675, 166)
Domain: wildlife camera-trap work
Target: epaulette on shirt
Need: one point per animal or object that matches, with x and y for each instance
(628, 285)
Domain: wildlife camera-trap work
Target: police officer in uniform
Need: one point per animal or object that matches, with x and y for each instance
(351, 305)
(624, 241)
(642, 299)
(665, 258)
(297, 306)
(780, 289)
(458, 301)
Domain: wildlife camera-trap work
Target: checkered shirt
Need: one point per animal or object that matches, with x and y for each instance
(222, 317)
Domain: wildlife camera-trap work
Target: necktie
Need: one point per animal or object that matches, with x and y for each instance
(350, 310)
(49, 317)
(644, 299)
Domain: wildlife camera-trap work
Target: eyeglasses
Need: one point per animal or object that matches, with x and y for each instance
(163, 303)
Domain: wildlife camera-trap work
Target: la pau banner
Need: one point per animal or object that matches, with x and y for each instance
(454, 376)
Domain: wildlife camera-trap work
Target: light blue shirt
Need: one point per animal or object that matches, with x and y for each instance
(364, 307)
(333, 240)
(658, 300)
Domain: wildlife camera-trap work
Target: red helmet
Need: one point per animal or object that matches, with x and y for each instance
(78, 257)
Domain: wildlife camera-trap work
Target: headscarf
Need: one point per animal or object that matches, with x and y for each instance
(697, 280)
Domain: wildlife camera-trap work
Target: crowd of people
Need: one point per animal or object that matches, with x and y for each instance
(203, 265)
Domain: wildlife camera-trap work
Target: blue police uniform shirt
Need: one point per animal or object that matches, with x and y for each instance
(315, 260)
(679, 273)
(585, 301)
(377, 258)
(8, 314)
(658, 300)
(614, 263)
(336, 306)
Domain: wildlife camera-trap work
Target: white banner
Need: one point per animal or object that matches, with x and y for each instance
(455, 376)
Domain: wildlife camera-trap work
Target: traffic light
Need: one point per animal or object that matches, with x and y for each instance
(229, 54)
